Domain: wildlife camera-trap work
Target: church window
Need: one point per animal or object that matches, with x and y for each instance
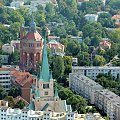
(46, 93)
(45, 86)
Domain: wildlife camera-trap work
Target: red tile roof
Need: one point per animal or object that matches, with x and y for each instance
(116, 17)
(22, 78)
(18, 98)
(33, 36)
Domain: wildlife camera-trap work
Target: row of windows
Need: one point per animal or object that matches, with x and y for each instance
(4, 81)
(4, 77)
(32, 45)
(4, 74)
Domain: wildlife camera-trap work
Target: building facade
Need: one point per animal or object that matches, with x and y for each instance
(84, 86)
(92, 72)
(107, 101)
(31, 45)
(8, 48)
(5, 79)
(56, 48)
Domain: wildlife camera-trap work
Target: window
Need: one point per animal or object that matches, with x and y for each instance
(31, 45)
(45, 86)
(38, 45)
(46, 93)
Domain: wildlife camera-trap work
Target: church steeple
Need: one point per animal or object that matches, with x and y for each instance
(44, 73)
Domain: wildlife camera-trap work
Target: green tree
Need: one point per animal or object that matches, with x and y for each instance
(2, 93)
(58, 67)
(99, 61)
(73, 48)
(14, 91)
(67, 64)
(11, 102)
(20, 104)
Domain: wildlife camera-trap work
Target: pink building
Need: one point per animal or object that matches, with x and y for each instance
(56, 47)
(117, 20)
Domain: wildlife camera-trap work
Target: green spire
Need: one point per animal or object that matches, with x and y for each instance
(51, 78)
(45, 66)
(56, 92)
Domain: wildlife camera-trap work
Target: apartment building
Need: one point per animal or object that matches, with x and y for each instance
(109, 102)
(84, 86)
(93, 71)
(26, 114)
(5, 79)
(104, 99)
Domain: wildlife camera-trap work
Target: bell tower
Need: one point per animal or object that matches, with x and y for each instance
(31, 45)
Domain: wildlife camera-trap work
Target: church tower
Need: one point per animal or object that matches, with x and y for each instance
(31, 45)
(44, 95)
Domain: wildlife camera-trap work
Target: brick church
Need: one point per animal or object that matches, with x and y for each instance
(31, 45)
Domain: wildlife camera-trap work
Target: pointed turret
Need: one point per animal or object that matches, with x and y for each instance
(44, 74)
(33, 25)
(56, 92)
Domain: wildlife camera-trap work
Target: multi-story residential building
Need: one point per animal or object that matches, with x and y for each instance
(7, 113)
(93, 71)
(5, 79)
(25, 114)
(84, 86)
(91, 17)
(109, 103)
(104, 99)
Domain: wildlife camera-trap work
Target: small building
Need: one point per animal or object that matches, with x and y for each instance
(105, 44)
(5, 79)
(16, 4)
(8, 48)
(74, 61)
(81, 1)
(50, 38)
(56, 47)
(4, 59)
(91, 17)
(117, 20)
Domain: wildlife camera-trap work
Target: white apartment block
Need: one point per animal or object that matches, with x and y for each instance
(109, 102)
(7, 113)
(91, 17)
(84, 86)
(92, 72)
(104, 99)
(8, 48)
(5, 79)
